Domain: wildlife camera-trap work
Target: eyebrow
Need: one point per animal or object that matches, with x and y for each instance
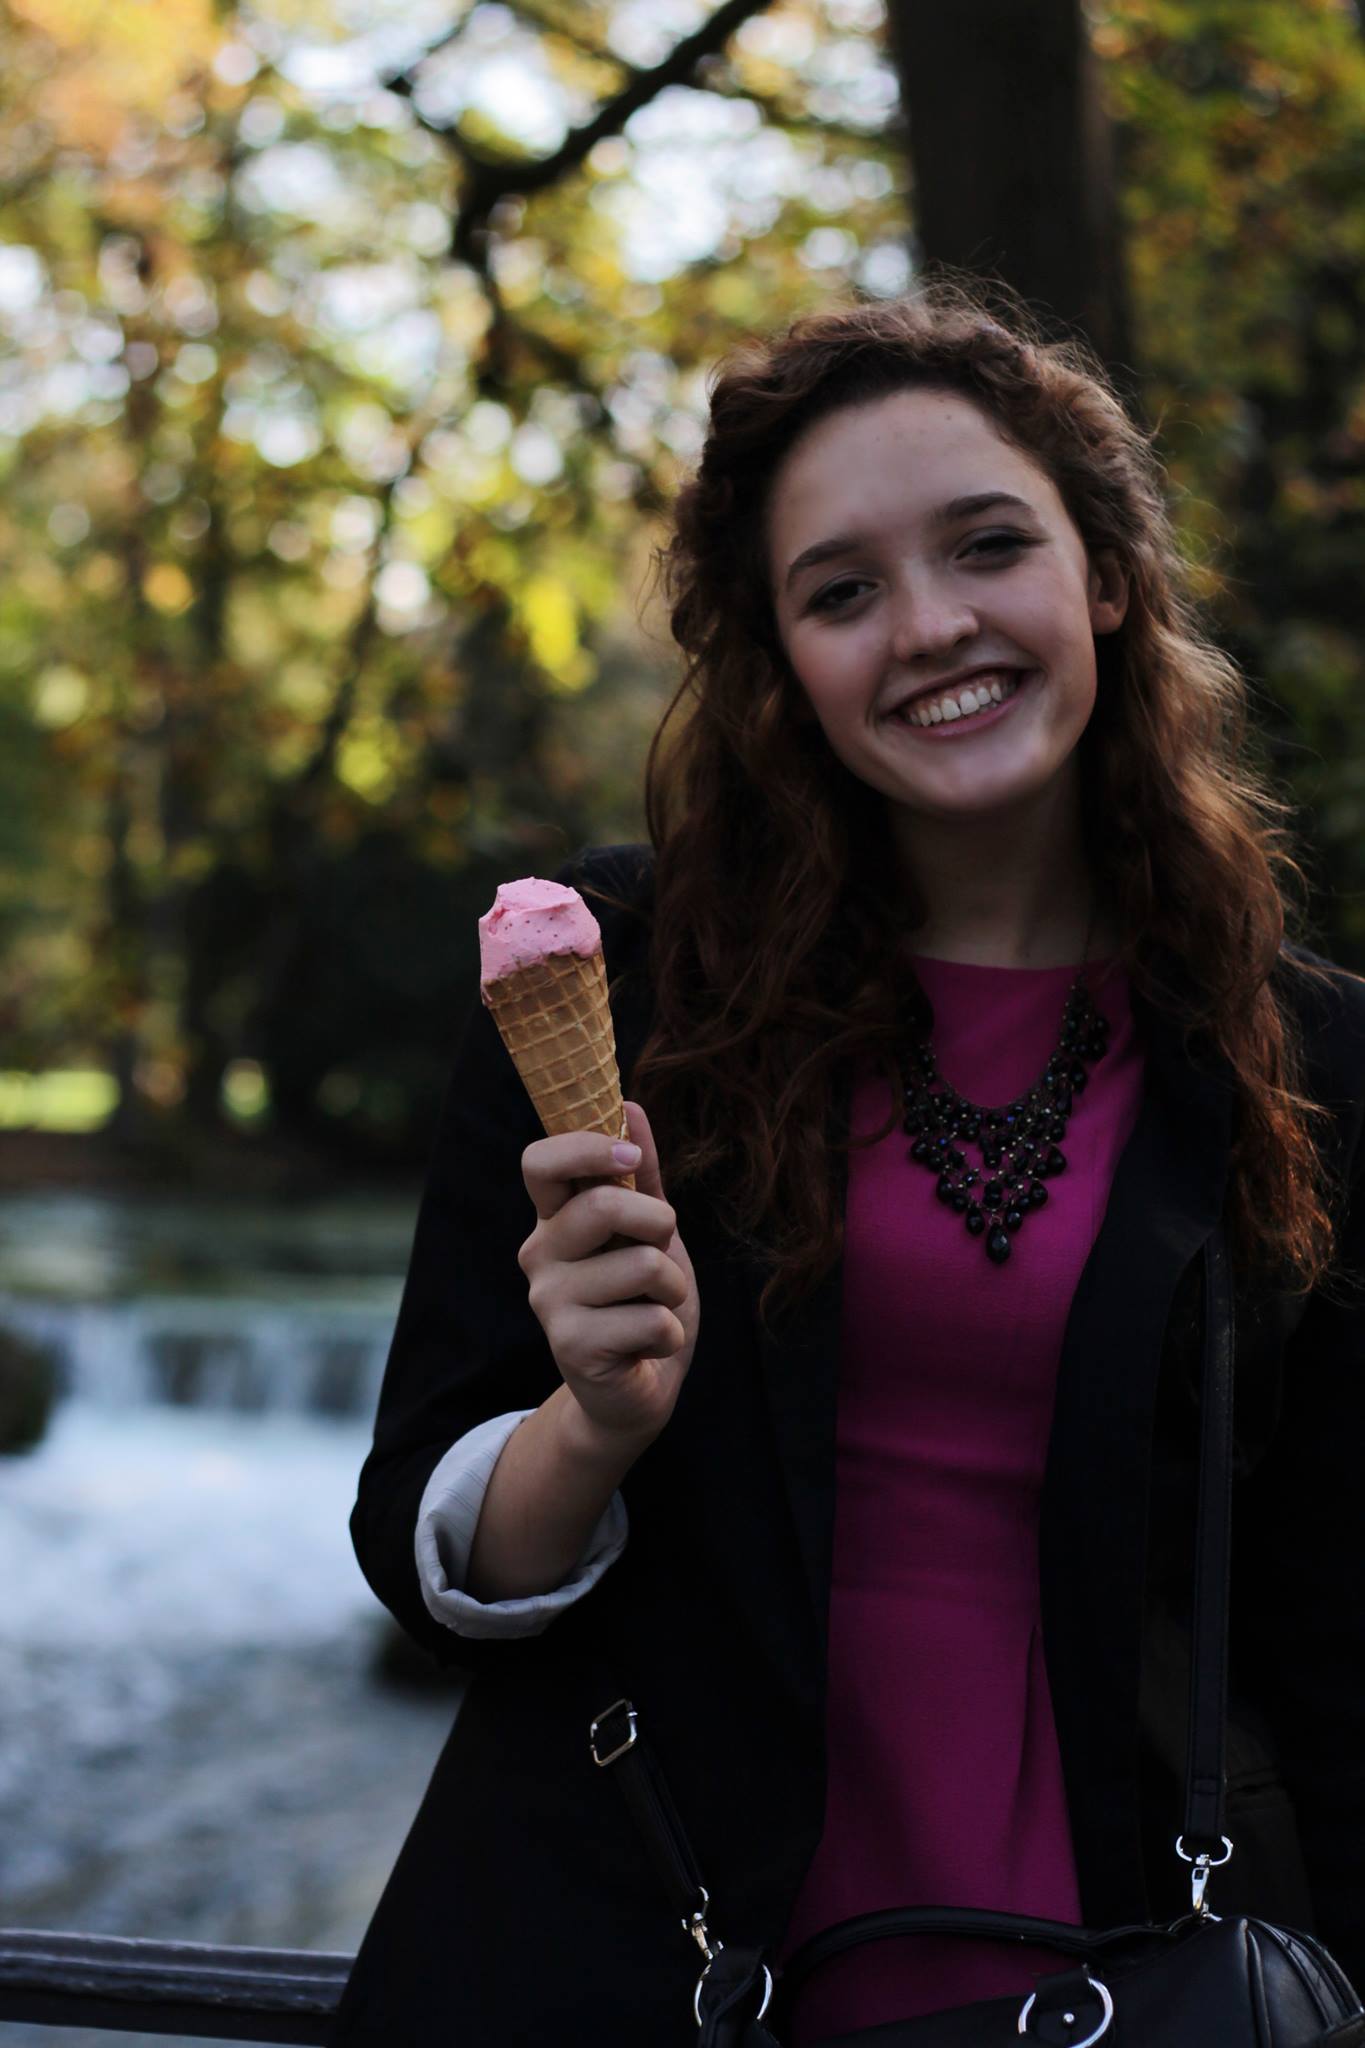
(943, 515)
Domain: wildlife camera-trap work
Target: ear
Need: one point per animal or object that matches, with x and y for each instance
(1107, 591)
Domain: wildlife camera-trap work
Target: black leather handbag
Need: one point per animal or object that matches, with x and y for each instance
(1197, 1982)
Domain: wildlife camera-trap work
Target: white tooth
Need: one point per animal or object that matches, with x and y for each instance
(950, 710)
(921, 717)
(969, 701)
(997, 692)
(936, 714)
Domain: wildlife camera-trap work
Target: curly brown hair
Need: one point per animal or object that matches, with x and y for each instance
(779, 953)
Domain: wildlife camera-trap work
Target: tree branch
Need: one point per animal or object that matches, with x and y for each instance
(489, 179)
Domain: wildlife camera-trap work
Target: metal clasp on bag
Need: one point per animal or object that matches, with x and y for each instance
(695, 1925)
(1199, 1875)
(711, 1946)
(767, 1990)
(1069, 2018)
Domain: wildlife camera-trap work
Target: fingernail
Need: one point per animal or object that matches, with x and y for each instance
(627, 1155)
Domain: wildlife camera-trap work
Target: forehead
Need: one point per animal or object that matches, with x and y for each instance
(895, 460)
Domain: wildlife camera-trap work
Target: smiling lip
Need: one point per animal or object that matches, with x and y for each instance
(958, 728)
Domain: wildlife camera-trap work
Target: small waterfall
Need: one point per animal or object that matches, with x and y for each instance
(238, 1355)
(235, 1308)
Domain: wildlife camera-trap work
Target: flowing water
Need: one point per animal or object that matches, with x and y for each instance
(197, 1742)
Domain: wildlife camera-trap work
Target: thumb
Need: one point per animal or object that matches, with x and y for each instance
(647, 1172)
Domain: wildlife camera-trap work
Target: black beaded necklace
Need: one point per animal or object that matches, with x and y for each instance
(1020, 1143)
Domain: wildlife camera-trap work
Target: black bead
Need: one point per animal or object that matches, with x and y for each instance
(960, 1201)
(992, 1194)
(974, 1219)
(1055, 1162)
(920, 1149)
(1013, 1218)
(1037, 1195)
(998, 1246)
(944, 1190)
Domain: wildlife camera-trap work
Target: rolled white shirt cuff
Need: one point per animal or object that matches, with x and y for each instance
(447, 1519)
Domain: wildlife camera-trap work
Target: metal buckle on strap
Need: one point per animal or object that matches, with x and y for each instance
(628, 1740)
(1203, 1863)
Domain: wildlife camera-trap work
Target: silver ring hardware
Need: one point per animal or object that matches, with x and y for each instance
(767, 1994)
(1084, 2041)
(616, 1707)
(1214, 1862)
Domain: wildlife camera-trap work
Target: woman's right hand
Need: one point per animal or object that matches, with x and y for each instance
(621, 1320)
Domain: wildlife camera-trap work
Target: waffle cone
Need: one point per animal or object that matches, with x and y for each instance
(554, 1019)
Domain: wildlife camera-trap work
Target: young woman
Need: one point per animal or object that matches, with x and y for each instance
(864, 1463)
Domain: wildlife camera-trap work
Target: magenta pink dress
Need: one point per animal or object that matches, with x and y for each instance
(945, 1784)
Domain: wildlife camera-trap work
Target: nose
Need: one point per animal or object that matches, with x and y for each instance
(931, 617)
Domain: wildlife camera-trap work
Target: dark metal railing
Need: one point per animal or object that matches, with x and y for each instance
(168, 1987)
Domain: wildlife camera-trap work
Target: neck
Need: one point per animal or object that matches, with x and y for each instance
(1003, 891)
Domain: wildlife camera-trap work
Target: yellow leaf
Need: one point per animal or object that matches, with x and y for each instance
(168, 588)
(550, 617)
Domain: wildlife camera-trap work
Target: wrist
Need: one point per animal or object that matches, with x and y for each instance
(592, 1446)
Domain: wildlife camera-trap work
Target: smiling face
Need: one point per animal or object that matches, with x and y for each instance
(916, 555)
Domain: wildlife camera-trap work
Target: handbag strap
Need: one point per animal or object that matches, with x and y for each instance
(1206, 1763)
(618, 1744)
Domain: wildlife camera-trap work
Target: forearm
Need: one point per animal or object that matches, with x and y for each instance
(548, 1491)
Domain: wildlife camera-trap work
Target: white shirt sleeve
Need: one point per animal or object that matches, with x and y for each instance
(447, 1519)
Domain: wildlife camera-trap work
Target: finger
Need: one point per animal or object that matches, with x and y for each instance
(638, 1272)
(613, 1335)
(587, 1222)
(647, 1178)
(552, 1168)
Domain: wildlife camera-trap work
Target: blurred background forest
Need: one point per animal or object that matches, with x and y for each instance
(349, 352)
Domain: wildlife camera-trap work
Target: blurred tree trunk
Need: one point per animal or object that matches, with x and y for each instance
(1011, 154)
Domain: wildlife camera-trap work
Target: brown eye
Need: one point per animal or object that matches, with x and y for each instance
(835, 596)
(998, 544)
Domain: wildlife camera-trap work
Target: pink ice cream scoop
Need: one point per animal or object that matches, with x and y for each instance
(543, 978)
(530, 921)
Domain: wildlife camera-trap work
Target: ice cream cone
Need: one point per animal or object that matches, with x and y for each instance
(554, 1019)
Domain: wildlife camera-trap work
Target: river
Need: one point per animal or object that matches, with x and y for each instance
(199, 1741)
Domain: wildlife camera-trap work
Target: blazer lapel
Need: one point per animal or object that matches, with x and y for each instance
(799, 1363)
(1167, 1196)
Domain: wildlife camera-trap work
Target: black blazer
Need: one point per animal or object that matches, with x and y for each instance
(523, 1908)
